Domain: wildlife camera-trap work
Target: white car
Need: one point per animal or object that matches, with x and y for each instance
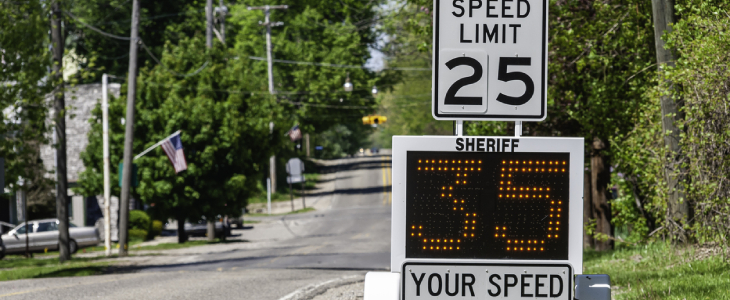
(44, 235)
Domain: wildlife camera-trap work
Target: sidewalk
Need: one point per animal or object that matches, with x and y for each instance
(324, 191)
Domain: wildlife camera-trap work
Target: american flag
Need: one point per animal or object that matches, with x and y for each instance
(174, 149)
(295, 133)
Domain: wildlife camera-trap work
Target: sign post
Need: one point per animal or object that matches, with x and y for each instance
(295, 169)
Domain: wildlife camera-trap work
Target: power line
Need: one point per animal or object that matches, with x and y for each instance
(335, 65)
(139, 40)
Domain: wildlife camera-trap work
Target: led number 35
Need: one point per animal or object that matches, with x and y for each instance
(503, 75)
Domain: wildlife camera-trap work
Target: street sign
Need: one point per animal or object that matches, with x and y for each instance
(295, 179)
(487, 200)
(295, 167)
(486, 281)
(490, 60)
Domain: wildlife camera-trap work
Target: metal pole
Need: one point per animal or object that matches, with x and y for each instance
(107, 184)
(268, 195)
(129, 130)
(269, 55)
(459, 128)
(304, 203)
(291, 197)
(518, 128)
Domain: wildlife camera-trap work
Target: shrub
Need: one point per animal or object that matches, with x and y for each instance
(137, 234)
(139, 220)
(155, 229)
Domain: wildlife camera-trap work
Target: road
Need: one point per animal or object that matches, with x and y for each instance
(283, 257)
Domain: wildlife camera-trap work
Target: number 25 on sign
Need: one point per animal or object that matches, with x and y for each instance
(490, 60)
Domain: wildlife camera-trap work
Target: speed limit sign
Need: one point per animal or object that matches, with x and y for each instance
(490, 60)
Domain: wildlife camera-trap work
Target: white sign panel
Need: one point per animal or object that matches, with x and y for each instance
(487, 200)
(490, 60)
(486, 281)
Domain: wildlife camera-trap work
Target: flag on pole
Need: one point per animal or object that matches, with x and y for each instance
(295, 133)
(174, 149)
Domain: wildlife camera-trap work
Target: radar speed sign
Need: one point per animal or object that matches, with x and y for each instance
(490, 60)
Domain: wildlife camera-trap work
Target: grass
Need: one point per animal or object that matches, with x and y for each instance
(661, 271)
(17, 267)
(283, 195)
(303, 210)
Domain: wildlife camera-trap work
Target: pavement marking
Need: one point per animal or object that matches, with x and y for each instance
(386, 181)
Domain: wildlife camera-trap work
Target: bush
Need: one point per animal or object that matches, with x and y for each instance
(139, 220)
(137, 234)
(155, 229)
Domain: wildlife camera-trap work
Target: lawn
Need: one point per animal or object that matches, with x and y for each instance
(661, 271)
(17, 267)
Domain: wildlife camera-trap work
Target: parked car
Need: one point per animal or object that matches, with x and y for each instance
(43, 234)
(6, 227)
(198, 228)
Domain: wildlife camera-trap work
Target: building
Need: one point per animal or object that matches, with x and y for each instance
(83, 209)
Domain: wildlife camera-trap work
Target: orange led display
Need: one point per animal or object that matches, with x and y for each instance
(504, 202)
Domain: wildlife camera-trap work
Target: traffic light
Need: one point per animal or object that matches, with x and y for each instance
(374, 120)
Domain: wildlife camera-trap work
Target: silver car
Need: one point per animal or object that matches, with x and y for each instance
(44, 235)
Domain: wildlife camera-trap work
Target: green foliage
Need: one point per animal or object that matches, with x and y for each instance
(408, 104)
(314, 31)
(703, 80)
(136, 234)
(160, 21)
(25, 61)
(139, 220)
(155, 229)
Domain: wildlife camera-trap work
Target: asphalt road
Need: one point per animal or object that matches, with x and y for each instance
(347, 235)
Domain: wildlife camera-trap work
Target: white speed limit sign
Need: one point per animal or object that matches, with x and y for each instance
(490, 60)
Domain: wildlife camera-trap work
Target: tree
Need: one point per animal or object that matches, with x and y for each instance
(24, 61)
(314, 31)
(598, 74)
(165, 20)
(408, 106)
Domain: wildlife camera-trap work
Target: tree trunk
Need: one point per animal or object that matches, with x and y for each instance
(59, 107)
(182, 236)
(588, 241)
(600, 178)
(211, 230)
(678, 208)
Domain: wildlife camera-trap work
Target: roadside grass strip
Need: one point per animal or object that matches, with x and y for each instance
(662, 271)
(14, 268)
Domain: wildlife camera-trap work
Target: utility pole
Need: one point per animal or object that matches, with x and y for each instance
(210, 232)
(59, 106)
(129, 130)
(222, 10)
(107, 184)
(267, 22)
(678, 209)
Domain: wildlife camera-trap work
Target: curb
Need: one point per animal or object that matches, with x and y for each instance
(315, 289)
